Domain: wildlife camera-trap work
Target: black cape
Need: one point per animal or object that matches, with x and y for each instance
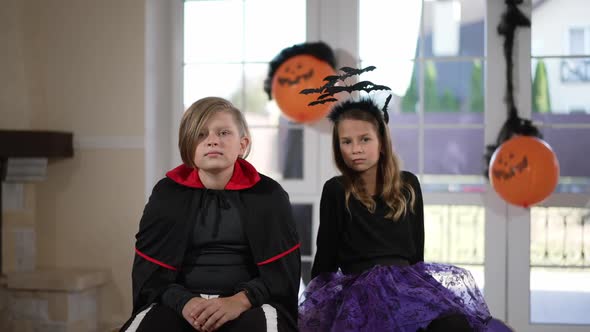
(167, 223)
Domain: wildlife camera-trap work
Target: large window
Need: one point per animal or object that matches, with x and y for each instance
(227, 47)
(433, 61)
(435, 70)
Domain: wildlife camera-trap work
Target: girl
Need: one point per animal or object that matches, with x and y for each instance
(217, 247)
(372, 229)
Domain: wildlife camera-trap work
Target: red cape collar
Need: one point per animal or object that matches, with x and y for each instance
(245, 176)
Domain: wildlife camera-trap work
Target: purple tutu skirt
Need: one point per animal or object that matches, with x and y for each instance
(391, 298)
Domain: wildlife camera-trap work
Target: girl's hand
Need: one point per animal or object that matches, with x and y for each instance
(189, 307)
(210, 315)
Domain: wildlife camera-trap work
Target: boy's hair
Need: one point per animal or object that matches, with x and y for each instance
(389, 182)
(196, 116)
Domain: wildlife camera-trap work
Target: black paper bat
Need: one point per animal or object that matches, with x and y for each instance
(332, 79)
(328, 90)
(323, 101)
(366, 86)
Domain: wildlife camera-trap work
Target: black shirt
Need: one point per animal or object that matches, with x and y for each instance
(218, 257)
(345, 239)
(165, 231)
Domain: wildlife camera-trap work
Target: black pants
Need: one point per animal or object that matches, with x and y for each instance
(455, 323)
(163, 319)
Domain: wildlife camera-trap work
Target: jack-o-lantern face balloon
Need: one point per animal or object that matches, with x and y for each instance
(524, 170)
(295, 74)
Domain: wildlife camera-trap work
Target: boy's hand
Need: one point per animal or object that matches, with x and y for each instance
(189, 307)
(211, 314)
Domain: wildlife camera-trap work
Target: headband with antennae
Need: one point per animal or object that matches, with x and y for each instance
(329, 89)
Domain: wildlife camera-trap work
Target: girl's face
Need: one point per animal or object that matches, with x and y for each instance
(359, 144)
(219, 144)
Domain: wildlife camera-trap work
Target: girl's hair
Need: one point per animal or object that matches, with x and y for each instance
(389, 183)
(195, 118)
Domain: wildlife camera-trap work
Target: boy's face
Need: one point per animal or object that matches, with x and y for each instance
(220, 143)
(359, 144)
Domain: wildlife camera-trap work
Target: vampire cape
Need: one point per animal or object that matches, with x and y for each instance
(167, 223)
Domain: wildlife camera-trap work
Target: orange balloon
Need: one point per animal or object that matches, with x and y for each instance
(295, 74)
(524, 170)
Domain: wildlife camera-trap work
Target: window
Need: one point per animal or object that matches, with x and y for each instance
(435, 70)
(578, 41)
(560, 69)
(560, 81)
(433, 61)
(227, 47)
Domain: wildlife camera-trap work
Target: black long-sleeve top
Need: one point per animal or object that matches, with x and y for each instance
(218, 257)
(165, 232)
(348, 238)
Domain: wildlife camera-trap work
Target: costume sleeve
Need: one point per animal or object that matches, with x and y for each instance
(148, 283)
(331, 209)
(280, 268)
(152, 271)
(256, 291)
(176, 296)
(418, 222)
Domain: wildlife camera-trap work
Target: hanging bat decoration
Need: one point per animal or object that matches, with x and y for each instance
(330, 88)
